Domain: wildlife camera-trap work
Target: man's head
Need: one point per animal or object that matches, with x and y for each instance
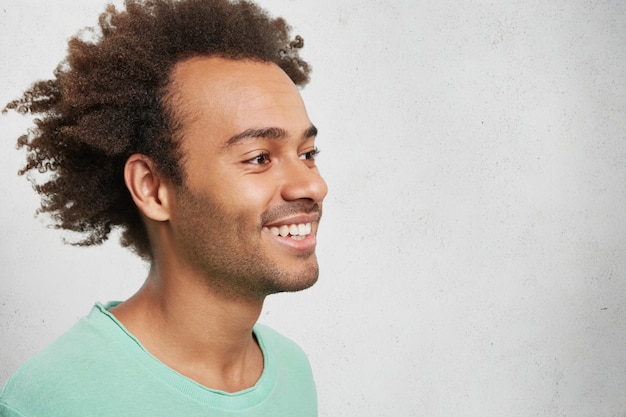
(116, 96)
(247, 212)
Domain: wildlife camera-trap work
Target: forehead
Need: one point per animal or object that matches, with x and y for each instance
(216, 101)
(223, 71)
(233, 92)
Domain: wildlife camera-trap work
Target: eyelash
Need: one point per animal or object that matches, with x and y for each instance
(310, 155)
(264, 155)
(264, 158)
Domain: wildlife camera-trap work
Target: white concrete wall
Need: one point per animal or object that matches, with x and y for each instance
(473, 244)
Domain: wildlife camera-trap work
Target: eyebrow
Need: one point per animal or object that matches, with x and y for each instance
(275, 133)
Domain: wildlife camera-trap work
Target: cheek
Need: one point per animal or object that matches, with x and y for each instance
(251, 194)
(256, 190)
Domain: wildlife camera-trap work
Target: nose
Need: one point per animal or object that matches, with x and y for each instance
(301, 181)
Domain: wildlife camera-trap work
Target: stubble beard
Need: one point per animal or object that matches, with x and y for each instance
(232, 262)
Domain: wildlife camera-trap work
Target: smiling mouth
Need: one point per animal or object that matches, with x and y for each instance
(294, 231)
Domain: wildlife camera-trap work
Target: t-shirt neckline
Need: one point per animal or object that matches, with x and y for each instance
(239, 400)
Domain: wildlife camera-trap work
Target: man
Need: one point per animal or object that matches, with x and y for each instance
(181, 125)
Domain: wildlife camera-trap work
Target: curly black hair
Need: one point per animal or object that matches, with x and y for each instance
(109, 99)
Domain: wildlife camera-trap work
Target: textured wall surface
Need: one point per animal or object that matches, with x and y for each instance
(473, 247)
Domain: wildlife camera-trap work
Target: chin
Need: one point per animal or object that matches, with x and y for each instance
(302, 285)
(296, 281)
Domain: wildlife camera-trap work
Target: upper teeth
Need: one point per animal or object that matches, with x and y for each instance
(285, 230)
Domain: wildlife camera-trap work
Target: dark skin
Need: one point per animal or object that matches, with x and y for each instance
(112, 99)
(216, 249)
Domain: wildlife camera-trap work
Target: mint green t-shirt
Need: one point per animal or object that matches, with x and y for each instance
(99, 369)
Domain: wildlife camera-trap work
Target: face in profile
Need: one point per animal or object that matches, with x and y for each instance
(247, 214)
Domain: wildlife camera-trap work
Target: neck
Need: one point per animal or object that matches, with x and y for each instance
(195, 330)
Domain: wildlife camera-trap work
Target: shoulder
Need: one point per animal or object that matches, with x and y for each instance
(69, 363)
(70, 347)
(8, 411)
(284, 352)
(276, 341)
(84, 341)
(290, 367)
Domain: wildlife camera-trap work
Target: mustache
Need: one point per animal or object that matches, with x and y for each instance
(291, 209)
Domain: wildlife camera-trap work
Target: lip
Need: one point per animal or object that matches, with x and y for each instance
(303, 218)
(301, 247)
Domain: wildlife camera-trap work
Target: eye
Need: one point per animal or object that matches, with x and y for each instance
(261, 159)
(310, 155)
